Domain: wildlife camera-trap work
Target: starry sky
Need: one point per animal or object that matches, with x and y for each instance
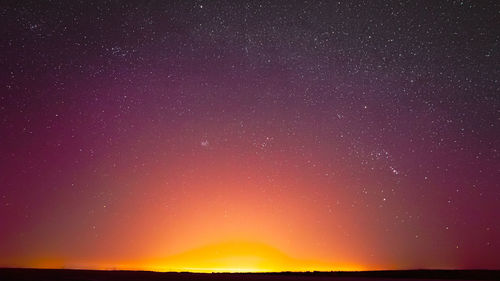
(250, 135)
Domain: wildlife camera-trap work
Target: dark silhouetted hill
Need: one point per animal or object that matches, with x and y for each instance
(7, 274)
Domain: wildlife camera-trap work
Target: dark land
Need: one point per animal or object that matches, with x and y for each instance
(97, 275)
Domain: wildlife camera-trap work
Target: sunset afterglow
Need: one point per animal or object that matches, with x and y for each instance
(250, 136)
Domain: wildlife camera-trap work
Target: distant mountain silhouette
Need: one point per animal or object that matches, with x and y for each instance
(18, 274)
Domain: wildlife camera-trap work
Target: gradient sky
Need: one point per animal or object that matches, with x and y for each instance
(259, 135)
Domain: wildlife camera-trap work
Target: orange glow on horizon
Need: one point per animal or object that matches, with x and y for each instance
(240, 257)
(227, 257)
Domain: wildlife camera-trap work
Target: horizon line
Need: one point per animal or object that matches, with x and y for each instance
(249, 272)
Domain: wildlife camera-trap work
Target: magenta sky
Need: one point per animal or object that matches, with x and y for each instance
(353, 134)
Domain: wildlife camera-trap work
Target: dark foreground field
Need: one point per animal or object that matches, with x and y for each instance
(95, 275)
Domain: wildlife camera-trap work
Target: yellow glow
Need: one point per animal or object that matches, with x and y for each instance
(239, 257)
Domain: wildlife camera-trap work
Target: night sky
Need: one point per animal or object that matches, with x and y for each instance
(250, 136)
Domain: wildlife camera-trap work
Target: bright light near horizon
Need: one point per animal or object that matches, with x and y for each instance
(224, 270)
(235, 257)
(229, 257)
